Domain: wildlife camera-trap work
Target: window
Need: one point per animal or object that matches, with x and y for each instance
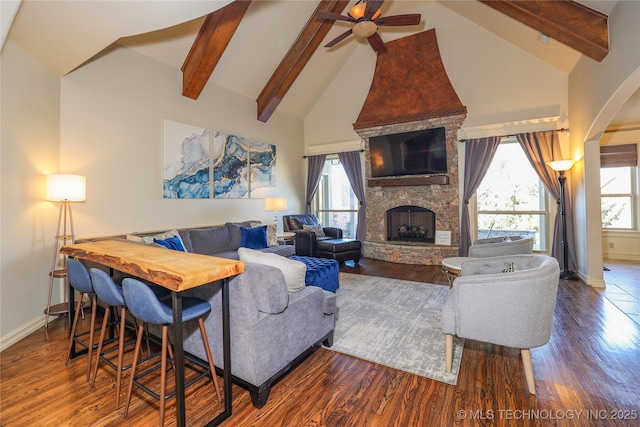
(618, 190)
(619, 186)
(336, 205)
(511, 199)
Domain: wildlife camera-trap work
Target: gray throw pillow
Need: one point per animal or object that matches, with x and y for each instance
(315, 228)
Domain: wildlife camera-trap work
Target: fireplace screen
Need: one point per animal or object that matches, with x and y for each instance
(411, 224)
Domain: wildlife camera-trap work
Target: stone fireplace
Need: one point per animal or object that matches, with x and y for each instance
(404, 212)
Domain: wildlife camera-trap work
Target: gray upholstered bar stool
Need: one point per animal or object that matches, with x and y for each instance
(111, 295)
(79, 280)
(148, 308)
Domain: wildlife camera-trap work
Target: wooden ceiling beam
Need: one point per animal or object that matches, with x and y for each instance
(217, 30)
(571, 23)
(296, 58)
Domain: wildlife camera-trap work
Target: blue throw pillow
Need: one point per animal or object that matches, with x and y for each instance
(253, 238)
(171, 243)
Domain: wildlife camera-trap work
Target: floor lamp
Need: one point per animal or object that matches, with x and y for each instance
(64, 189)
(561, 166)
(275, 204)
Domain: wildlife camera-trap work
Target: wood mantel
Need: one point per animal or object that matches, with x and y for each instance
(173, 270)
(408, 181)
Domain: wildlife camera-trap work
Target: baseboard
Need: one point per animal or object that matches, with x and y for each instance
(596, 283)
(22, 332)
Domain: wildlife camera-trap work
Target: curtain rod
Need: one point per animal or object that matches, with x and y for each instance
(330, 154)
(562, 130)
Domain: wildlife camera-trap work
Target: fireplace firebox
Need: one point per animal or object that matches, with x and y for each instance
(411, 224)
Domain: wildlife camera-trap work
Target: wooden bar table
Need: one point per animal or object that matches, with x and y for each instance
(176, 271)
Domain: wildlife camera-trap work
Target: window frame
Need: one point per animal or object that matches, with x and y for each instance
(323, 191)
(634, 201)
(549, 212)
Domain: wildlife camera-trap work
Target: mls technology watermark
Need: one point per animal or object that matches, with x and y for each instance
(547, 414)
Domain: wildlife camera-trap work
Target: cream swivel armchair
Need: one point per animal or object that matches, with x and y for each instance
(505, 301)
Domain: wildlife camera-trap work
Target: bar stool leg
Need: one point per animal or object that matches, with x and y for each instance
(205, 342)
(163, 372)
(123, 313)
(73, 332)
(94, 306)
(91, 331)
(133, 366)
(105, 321)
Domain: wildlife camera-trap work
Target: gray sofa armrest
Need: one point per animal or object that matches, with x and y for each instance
(333, 232)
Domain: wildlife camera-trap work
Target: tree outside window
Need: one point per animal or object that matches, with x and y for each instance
(511, 199)
(337, 205)
(616, 189)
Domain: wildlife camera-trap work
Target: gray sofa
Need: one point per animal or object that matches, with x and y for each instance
(272, 329)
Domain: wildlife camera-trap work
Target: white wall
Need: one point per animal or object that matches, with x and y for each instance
(112, 113)
(596, 92)
(30, 128)
(105, 121)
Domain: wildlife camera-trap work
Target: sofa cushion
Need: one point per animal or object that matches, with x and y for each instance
(282, 250)
(210, 241)
(253, 237)
(235, 233)
(293, 271)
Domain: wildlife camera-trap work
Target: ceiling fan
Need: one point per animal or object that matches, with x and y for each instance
(366, 16)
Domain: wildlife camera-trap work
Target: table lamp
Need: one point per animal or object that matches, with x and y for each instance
(275, 204)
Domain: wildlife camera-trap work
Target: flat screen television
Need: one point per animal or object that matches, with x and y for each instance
(422, 152)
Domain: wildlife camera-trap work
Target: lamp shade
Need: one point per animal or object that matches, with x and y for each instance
(66, 187)
(357, 11)
(275, 203)
(561, 165)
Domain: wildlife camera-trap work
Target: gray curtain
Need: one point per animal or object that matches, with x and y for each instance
(314, 171)
(478, 155)
(542, 147)
(353, 168)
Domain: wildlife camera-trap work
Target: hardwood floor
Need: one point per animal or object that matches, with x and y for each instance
(588, 374)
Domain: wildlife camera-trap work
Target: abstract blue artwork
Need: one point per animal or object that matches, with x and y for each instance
(262, 166)
(230, 157)
(200, 164)
(186, 168)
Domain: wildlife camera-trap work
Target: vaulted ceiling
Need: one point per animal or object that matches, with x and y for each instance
(64, 35)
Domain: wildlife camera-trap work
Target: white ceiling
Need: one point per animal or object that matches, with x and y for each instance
(65, 34)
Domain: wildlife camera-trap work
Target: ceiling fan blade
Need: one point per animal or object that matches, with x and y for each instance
(339, 38)
(328, 15)
(376, 43)
(372, 7)
(395, 20)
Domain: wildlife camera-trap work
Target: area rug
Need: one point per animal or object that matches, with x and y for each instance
(395, 323)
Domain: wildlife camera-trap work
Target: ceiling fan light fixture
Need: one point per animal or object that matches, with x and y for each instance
(365, 29)
(357, 11)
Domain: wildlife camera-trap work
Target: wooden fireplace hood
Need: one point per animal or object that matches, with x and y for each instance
(410, 84)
